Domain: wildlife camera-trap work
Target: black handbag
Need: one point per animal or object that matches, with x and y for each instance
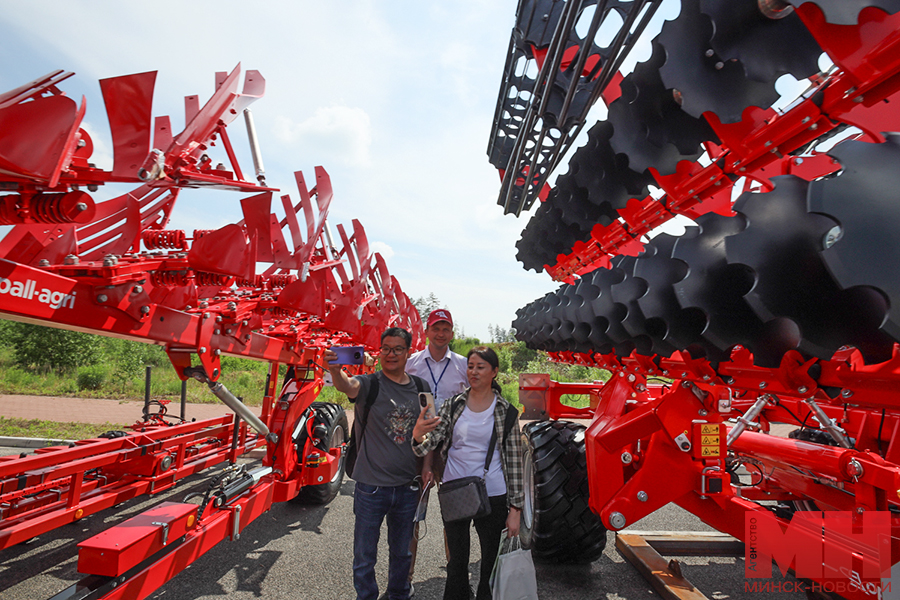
(467, 497)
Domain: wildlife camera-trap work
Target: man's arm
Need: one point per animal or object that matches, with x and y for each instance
(342, 383)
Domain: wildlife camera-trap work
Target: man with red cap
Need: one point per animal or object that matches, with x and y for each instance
(442, 368)
(445, 372)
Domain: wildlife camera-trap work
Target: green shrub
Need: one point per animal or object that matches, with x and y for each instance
(91, 378)
(35, 346)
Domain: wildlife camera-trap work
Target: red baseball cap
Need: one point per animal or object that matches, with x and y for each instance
(440, 314)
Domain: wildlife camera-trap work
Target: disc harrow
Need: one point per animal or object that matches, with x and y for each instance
(776, 305)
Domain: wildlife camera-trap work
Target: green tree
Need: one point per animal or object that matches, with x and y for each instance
(38, 347)
(425, 305)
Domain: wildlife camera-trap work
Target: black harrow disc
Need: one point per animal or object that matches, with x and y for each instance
(707, 81)
(767, 45)
(650, 126)
(782, 245)
(717, 289)
(864, 200)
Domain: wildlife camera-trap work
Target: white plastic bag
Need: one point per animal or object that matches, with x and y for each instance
(513, 576)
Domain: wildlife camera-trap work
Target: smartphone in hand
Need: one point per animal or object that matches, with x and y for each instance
(426, 399)
(348, 355)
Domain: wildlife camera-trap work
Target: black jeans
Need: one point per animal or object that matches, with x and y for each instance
(489, 529)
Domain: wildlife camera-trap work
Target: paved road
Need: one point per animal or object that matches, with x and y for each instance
(297, 551)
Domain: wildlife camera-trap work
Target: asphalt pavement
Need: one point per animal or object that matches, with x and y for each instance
(298, 551)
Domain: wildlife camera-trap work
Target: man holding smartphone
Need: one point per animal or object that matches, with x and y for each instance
(445, 371)
(386, 471)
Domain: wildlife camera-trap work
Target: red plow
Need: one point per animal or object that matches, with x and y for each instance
(777, 306)
(273, 288)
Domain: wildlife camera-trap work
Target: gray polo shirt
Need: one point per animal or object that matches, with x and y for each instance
(385, 456)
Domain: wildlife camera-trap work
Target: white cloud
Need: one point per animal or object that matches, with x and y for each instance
(339, 133)
(383, 249)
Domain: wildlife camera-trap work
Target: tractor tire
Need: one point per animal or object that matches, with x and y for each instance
(331, 428)
(557, 523)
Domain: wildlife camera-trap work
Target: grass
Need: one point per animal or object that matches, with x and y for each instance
(33, 428)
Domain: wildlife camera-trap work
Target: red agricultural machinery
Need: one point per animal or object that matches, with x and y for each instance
(775, 310)
(270, 288)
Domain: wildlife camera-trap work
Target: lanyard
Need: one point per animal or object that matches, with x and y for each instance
(438, 380)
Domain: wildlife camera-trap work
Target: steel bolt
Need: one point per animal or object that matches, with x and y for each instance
(145, 310)
(762, 385)
(845, 393)
(627, 458)
(44, 263)
(702, 412)
(631, 378)
(617, 520)
(201, 350)
(802, 389)
(137, 289)
(642, 496)
(102, 298)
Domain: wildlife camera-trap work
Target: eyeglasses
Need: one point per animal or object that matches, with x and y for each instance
(395, 351)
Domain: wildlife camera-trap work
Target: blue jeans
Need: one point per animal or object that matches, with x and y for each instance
(371, 505)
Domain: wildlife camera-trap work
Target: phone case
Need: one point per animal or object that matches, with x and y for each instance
(348, 355)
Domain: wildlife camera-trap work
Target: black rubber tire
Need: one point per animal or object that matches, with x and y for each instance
(335, 428)
(557, 523)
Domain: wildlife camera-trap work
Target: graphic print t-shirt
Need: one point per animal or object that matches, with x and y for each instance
(385, 453)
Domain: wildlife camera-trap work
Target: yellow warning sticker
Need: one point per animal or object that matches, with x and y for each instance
(710, 429)
(709, 440)
(710, 451)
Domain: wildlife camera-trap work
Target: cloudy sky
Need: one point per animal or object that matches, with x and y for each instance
(394, 98)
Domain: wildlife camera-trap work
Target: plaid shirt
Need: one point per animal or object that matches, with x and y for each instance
(511, 451)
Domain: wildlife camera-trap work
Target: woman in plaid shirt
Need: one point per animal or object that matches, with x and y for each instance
(464, 426)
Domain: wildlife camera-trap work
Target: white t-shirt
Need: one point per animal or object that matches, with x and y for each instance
(471, 435)
(446, 377)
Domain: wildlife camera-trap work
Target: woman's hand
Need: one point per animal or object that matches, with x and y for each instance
(424, 426)
(513, 521)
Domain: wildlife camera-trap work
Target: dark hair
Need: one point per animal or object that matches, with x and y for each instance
(490, 357)
(397, 332)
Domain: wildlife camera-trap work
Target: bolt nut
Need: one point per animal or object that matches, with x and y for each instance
(102, 298)
(145, 310)
(627, 458)
(70, 259)
(642, 496)
(44, 263)
(762, 385)
(702, 412)
(845, 393)
(617, 520)
(802, 389)
(631, 378)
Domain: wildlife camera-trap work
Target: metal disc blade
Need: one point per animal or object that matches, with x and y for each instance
(705, 80)
(782, 245)
(864, 199)
(649, 125)
(767, 47)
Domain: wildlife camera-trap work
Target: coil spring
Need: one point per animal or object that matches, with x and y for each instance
(280, 281)
(256, 282)
(209, 279)
(70, 207)
(159, 239)
(169, 278)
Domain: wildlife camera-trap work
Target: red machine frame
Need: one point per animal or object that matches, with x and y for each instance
(114, 269)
